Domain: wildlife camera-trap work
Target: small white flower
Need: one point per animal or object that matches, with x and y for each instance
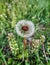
(6, 3)
(1, 15)
(25, 28)
(10, 34)
(42, 38)
(9, 6)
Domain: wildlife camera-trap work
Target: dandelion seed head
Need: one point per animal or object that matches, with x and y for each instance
(25, 33)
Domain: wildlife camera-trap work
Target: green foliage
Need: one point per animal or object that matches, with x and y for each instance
(11, 11)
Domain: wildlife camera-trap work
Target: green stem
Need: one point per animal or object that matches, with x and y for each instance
(3, 58)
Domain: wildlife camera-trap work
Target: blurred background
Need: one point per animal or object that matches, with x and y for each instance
(11, 45)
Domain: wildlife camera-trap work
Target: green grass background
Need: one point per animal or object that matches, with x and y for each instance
(11, 11)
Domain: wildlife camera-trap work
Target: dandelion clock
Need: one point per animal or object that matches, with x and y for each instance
(25, 29)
